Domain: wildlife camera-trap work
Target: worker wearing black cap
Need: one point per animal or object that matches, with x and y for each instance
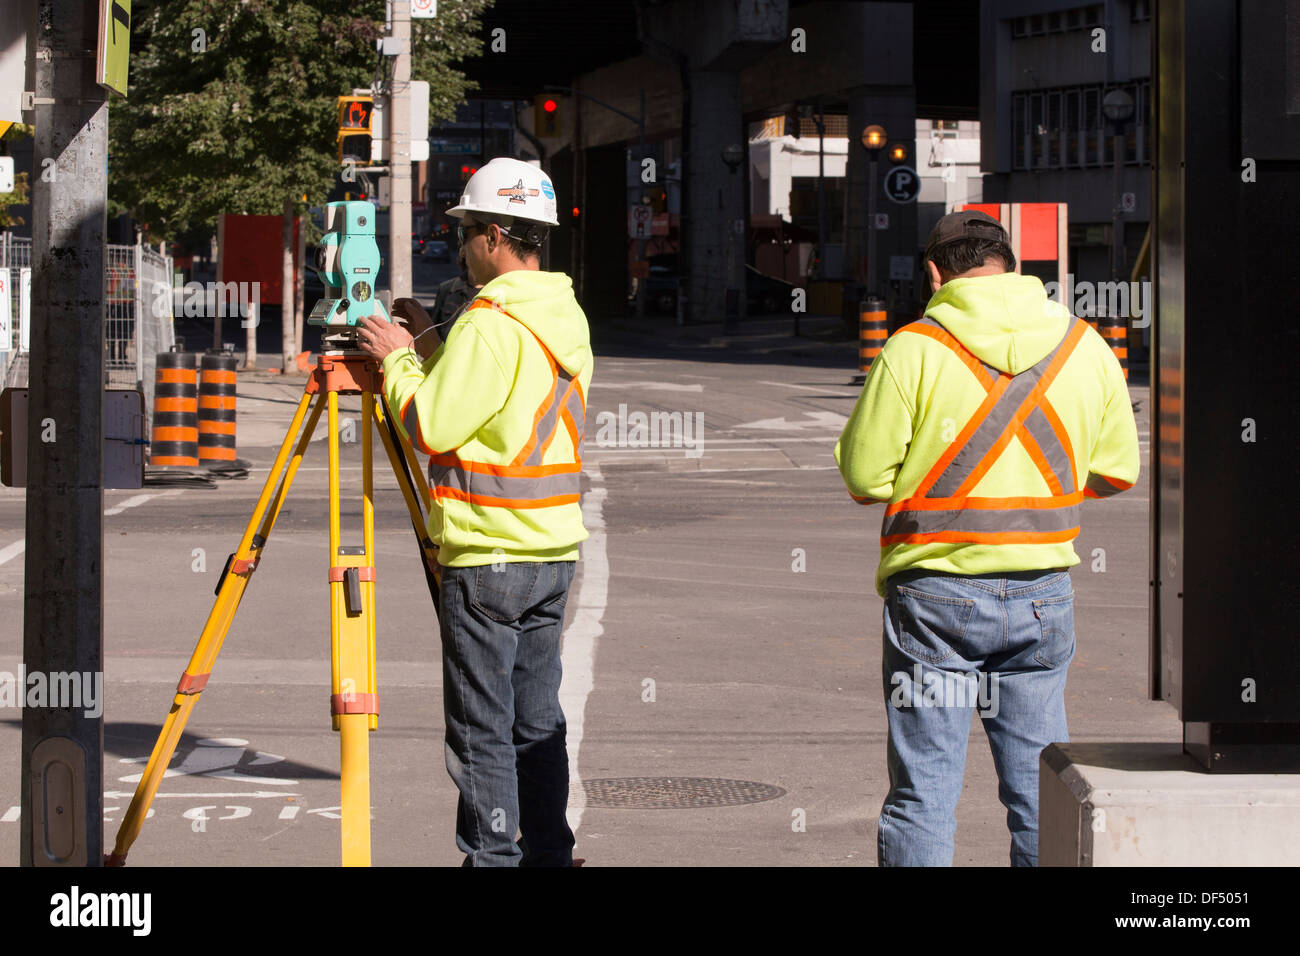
(981, 428)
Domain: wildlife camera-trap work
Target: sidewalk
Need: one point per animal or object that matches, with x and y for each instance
(759, 335)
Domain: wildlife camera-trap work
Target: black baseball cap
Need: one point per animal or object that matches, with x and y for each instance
(968, 224)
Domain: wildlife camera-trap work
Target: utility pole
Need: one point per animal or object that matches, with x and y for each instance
(399, 153)
(62, 748)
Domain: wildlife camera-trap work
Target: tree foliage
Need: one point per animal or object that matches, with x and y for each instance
(232, 103)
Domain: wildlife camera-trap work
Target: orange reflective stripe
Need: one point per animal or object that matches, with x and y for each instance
(953, 516)
(526, 482)
(517, 503)
(1039, 459)
(983, 537)
(946, 459)
(934, 330)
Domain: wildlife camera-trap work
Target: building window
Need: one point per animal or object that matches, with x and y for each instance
(1020, 130)
(1066, 128)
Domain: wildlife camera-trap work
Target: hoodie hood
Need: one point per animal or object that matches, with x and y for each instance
(1006, 320)
(544, 302)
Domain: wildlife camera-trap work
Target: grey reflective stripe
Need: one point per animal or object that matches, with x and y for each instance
(550, 421)
(1103, 488)
(1038, 426)
(513, 487)
(411, 423)
(1002, 521)
(577, 412)
(992, 427)
(926, 320)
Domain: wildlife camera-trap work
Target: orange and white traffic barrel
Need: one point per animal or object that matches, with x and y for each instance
(873, 330)
(1114, 329)
(175, 435)
(217, 409)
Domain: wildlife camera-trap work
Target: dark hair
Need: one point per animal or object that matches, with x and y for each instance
(964, 255)
(517, 246)
(521, 249)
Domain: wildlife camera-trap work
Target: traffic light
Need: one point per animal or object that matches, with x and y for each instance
(466, 172)
(546, 115)
(355, 114)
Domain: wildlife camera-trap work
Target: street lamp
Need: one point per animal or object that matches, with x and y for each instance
(1117, 107)
(873, 141)
(733, 155)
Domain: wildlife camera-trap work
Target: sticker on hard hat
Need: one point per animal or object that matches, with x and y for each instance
(517, 192)
(547, 191)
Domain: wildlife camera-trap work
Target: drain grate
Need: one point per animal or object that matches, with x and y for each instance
(675, 793)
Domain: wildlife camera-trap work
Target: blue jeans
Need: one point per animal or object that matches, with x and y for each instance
(505, 745)
(999, 644)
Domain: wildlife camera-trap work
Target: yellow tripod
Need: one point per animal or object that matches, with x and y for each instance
(354, 701)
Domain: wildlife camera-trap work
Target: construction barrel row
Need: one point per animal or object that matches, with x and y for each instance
(194, 410)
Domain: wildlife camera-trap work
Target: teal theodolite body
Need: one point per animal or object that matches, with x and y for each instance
(347, 260)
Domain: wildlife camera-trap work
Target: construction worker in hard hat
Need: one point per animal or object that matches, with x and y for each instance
(500, 408)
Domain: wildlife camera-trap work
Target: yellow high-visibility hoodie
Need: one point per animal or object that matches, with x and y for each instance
(500, 409)
(982, 436)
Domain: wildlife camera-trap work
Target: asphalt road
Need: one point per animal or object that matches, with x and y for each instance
(721, 657)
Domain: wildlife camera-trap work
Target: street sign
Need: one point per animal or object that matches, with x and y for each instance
(1128, 202)
(424, 9)
(6, 173)
(114, 44)
(447, 146)
(638, 221)
(902, 184)
(882, 220)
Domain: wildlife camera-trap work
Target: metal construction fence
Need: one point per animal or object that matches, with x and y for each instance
(138, 321)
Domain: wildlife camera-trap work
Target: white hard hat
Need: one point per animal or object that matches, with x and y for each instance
(509, 187)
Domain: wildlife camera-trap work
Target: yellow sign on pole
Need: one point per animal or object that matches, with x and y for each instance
(114, 44)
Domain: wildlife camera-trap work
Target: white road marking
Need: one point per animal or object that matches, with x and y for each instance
(9, 552)
(11, 815)
(651, 386)
(288, 813)
(809, 388)
(136, 500)
(578, 657)
(256, 795)
(813, 420)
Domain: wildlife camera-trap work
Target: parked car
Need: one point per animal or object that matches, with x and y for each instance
(435, 250)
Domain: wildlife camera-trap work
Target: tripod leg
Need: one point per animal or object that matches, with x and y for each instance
(354, 703)
(230, 591)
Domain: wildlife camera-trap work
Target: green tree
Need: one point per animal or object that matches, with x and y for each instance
(20, 196)
(231, 106)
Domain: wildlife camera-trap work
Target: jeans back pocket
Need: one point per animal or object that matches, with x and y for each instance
(928, 625)
(1056, 622)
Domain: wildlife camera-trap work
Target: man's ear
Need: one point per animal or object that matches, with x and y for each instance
(935, 279)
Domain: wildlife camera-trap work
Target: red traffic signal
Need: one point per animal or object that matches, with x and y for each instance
(549, 106)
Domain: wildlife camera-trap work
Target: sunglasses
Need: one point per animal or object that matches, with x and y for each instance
(462, 231)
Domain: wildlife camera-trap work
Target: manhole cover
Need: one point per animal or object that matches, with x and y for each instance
(675, 793)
